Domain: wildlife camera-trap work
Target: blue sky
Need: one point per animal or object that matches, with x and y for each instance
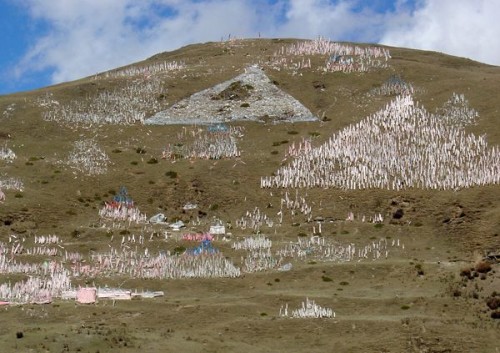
(51, 41)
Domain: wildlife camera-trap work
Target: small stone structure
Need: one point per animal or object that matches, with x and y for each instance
(217, 228)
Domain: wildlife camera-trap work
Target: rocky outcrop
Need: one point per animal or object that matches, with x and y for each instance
(250, 96)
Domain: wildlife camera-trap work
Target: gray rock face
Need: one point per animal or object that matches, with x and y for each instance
(250, 96)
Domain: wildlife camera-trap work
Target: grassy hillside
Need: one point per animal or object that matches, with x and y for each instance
(417, 297)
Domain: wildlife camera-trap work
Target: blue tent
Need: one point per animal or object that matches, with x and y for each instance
(204, 248)
(122, 196)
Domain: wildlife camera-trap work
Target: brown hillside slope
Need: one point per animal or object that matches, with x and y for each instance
(416, 299)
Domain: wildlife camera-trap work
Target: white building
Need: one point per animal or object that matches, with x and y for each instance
(217, 228)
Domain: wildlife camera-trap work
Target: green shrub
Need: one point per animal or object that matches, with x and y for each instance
(153, 160)
(292, 132)
(134, 163)
(493, 303)
(326, 279)
(171, 174)
(179, 250)
(483, 267)
(466, 272)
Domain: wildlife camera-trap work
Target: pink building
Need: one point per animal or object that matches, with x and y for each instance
(86, 295)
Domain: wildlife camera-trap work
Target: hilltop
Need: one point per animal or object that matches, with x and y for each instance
(320, 147)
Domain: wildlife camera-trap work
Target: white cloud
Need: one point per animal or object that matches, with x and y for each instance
(457, 27)
(85, 37)
(337, 21)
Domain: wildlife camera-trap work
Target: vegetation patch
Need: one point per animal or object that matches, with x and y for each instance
(171, 174)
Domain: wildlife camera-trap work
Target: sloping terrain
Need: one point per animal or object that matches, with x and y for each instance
(385, 206)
